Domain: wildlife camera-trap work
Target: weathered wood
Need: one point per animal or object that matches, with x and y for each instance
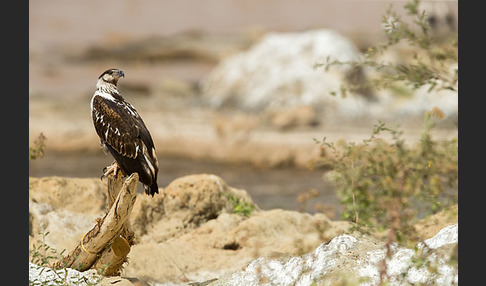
(112, 259)
(115, 184)
(121, 198)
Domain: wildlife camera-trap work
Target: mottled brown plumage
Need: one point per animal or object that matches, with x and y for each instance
(122, 131)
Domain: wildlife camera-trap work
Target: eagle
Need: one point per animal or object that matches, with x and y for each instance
(123, 133)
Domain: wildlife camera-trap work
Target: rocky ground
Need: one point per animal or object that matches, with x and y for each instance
(193, 232)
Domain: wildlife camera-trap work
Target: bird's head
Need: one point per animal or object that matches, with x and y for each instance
(111, 75)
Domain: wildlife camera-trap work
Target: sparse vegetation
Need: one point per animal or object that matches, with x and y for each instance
(387, 186)
(38, 150)
(44, 256)
(383, 184)
(240, 206)
(431, 63)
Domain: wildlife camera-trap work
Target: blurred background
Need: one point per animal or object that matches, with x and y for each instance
(225, 86)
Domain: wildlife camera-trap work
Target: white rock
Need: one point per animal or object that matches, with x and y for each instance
(445, 236)
(278, 71)
(57, 223)
(39, 275)
(302, 270)
(345, 253)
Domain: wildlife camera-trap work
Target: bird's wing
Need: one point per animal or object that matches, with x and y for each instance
(119, 125)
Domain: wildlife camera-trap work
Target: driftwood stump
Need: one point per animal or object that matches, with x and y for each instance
(106, 246)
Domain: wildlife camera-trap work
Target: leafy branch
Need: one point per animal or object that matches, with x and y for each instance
(430, 64)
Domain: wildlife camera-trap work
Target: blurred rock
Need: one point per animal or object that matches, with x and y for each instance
(183, 205)
(122, 281)
(188, 46)
(70, 194)
(278, 72)
(174, 87)
(441, 18)
(429, 226)
(236, 127)
(66, 208)
(276, 76)
(299, 116)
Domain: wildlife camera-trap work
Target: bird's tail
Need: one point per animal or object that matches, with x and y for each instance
(152, 189)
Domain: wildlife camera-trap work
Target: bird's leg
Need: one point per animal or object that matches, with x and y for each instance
(113, 168)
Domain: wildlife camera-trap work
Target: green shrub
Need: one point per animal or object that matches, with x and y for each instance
(389, 184)
(386, 185)
(38, 150)
(240, 206)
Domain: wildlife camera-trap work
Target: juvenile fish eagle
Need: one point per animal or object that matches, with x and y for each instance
(123, 133)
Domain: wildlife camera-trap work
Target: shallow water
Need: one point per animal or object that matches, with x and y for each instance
(269, 188)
